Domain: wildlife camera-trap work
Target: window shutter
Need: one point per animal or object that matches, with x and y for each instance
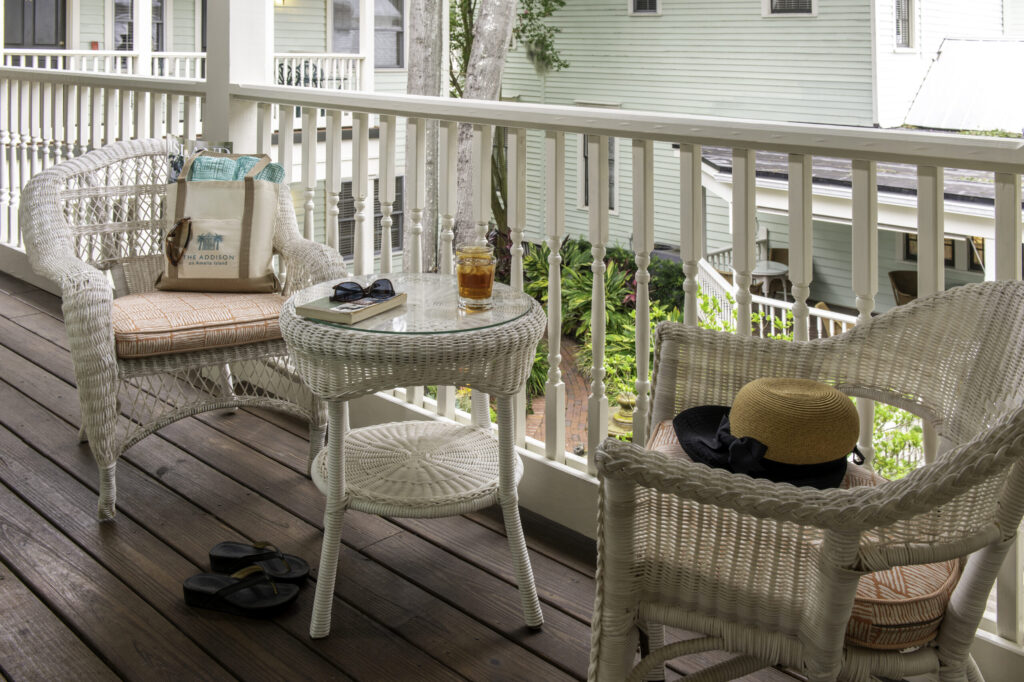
(792, 6)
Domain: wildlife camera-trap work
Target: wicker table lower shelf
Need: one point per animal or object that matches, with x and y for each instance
(418, 469)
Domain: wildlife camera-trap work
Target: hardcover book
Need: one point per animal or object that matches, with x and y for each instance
(348, 312)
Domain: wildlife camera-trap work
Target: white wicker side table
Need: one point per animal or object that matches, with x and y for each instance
(417, 469)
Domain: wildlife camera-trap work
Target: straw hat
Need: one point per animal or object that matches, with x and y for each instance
(783, 429)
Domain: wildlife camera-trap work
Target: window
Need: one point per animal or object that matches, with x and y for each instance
(158, 25)
(644, 6)
(585, 172)
(904, 36)
(388, 36)
(347, 217)
(976, 247)
(910, 250)
(124, 26)
(773, 7)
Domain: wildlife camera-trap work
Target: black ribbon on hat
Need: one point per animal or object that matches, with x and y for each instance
(704, 434)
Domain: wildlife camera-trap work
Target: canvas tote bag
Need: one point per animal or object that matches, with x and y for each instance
(220, 234)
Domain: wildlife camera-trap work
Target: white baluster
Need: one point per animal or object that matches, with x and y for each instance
(643, 244)
(483, 143)
(931, 266)
(597, 402)
(5, 151)
(173, 121)
(110, 117)
(386, 186)
(865, 274)
(333, 179)
(286, 139)
(416, 191)
(191, 120)
(1008, 226)
(25, 137)
(308, 169)
(363, 243)
(264, 127)
(554, 227)
(691, 226)
(96, 101)
(156, 111)
(58, 121)
(47, 125)
(744, 212)
(124, 113)
(32, 121)
(801, 241)
(447, 198)
(516, 206)
(70, 97)
(141, 114)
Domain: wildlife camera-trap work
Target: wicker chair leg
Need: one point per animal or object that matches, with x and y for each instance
(83, 436)
(317, 432)
(320, 623)
(652, 637)
(108, 491)
(510, 512)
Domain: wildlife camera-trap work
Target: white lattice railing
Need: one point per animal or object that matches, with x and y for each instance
(48, 116)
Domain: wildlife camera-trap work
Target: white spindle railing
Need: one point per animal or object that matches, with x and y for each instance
(318, 70)
(643, 244)
(48, 116)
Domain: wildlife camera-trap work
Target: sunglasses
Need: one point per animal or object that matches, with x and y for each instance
(353, 291)
(177, 240)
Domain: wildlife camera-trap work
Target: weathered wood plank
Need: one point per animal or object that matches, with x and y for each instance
(137, 640)
(248, 648)
(35, 644)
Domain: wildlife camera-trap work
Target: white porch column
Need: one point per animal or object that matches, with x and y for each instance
(366, 41)
(243, 52)
(143, 40)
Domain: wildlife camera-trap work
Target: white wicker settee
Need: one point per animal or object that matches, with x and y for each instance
(94, 225)
(771, 570)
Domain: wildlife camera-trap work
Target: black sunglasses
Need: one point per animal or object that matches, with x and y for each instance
(353, 291)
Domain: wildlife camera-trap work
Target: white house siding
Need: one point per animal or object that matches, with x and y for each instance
(91, 13)
(901, 70)
(300, 26)
(183, 26)
(1013, 18)
(390, 80)
(709, 57)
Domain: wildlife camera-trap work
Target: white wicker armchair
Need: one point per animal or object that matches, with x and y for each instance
(771, 570)
(94, 225)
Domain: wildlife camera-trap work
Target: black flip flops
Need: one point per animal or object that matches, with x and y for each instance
(228, 557)
(249, 592)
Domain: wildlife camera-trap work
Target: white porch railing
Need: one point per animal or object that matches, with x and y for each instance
(50, 115)
(311, 70)
(91, 61)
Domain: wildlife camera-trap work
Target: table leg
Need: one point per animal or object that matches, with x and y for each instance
(509, 499)
(337, 421)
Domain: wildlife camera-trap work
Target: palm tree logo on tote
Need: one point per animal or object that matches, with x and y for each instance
(210, 241)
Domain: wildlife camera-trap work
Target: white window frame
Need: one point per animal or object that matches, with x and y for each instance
(767, 13)
(632, 11)
(581, 170)
(911, 45)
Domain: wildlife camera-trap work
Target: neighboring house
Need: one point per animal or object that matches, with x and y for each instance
(848, 62)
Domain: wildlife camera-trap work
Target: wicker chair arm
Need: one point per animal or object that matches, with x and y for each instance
(308, 263)
(855, 509)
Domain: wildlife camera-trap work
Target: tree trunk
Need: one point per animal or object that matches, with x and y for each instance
(427, 75)
(492, 32)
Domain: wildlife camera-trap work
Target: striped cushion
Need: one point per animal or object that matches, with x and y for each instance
(162, 322)
(895, 609)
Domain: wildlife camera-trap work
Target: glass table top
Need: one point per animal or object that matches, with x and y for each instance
(432, 306)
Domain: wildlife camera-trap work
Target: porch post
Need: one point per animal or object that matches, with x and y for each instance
(143, 42)
(243, 54)
(367, 17)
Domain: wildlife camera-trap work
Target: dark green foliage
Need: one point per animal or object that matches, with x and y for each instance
(666, 282)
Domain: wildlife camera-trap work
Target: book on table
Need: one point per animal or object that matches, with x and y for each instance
(349, 312)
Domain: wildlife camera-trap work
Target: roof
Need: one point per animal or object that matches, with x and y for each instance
(985, 75)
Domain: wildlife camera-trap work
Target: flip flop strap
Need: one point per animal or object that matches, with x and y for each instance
(246, 578)
(272, 552)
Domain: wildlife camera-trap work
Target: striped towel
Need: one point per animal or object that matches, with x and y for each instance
(223, 168)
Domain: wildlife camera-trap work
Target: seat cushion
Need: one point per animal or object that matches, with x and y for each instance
(893, 609)
(161, 322)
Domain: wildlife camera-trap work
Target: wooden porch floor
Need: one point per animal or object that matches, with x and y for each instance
(423, 600)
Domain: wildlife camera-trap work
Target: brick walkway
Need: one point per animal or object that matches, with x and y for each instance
(576, 391)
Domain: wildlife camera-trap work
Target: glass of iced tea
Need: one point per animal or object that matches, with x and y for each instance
(474, 268)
